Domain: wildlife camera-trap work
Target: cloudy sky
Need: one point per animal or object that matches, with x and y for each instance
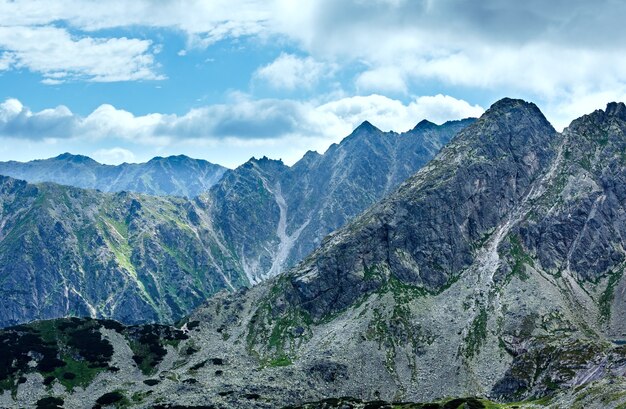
(225, 80)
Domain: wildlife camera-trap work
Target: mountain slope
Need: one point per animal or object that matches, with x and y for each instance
(299, 205)
(174, 175)
(496, 270)
(66, 251)
(505, 249)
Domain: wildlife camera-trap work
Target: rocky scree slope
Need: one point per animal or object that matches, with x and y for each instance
(101, 363)
(173, 176)
(477, 277)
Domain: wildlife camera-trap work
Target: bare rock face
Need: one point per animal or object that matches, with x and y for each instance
(582, 231)
(274, 215)
(426, 233)
(495, 270)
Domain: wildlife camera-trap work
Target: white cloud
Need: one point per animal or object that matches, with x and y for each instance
(18, 121)
(390, 114)
(59, 57)
(7, 60)
(289, 72)
(113, 156)
(382, 79)
(440, 108)
(10, 109)
(580, 101)
(205, 22)
(109, 123)
(567, 55)
(542, 49)
(277, 128)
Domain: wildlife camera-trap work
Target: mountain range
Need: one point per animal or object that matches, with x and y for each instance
(173, 176)
(67, 251)
(495, 272)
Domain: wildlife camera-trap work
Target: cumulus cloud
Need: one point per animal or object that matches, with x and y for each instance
(440, 108)
(113, 156)
(289, 72)
(391, 114)
(541, 50)
(365, 25)
(565, 55)
(520, 46)
(19, 121)
(279, 128)
(205, 22)
(59, 57)
(569, 56)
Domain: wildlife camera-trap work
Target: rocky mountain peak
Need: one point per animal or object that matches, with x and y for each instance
(265, 163)
(511, 110)
(68, 157)
(616, 109)
(366, 126)
(172, 159)
(506, 104)
(475, 182)
(308, 159)
(423, 125)
(309, 155)
(510, 127)
(496, 270)
(173, 175)
(599, 135)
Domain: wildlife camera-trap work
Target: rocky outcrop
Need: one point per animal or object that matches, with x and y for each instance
(426, 233)
(469, 279)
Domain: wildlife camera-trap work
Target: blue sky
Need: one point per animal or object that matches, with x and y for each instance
(227, 80)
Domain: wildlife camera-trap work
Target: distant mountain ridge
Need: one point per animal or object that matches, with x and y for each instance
(139, 258)
(169, 176)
